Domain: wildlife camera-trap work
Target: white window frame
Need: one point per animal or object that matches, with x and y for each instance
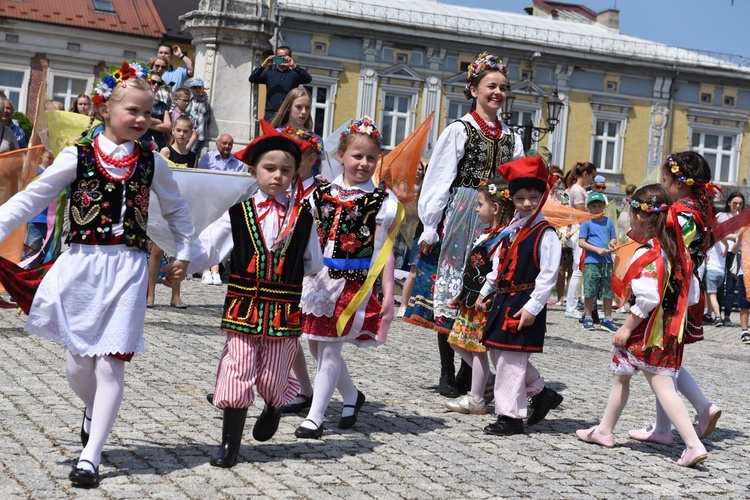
(459, 100)
(89, 79)
(733, 153)
(327, 107)
(412, 98)
(616, 142)
(23, 90)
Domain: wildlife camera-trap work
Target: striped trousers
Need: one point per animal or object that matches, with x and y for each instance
(515, 380)
(250, 361)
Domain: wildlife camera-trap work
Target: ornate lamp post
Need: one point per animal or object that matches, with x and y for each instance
(528, 131)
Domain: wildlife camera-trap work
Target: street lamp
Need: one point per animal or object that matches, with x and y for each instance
(528, 131)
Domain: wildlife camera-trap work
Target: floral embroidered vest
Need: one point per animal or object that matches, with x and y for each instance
(265, 285)
(96, 202)
(478, 265)
(481, 157)
(351, 225)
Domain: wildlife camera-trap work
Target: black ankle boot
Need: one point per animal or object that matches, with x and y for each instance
(463, 378)
(447, 386)
(231, 437)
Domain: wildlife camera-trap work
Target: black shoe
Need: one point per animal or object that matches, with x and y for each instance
(505, 426)
(348, 422)
(305, 433)
(231, 437)
(707, 318)
(84, 478)
(727, 322)
(84, 434)
(447, 389)
(543, 402)
(463, 378)
(267, 424)
(298, 407)
(210, 397)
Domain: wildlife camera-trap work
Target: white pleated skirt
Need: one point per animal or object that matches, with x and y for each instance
(93, 301)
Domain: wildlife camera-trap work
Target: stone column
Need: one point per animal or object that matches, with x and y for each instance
(231, 37)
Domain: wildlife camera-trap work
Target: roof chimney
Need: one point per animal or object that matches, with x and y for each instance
(609, 18)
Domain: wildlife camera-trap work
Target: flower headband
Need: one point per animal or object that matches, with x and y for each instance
(493, 191)
(108, 81)
(675, 169)
(646, 207)
(305, 136)
(366, 126)
(485, 62)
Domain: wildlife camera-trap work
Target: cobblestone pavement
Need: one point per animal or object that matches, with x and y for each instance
(405, 444)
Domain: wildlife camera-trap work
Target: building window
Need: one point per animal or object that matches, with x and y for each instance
(720, 153)
(729, 101)
(456, 109)
(11, 38)
(606, 152)
(611, 86)
(402, 58)
(319, 47)
(11, 82)
(66, 89)
(104, 6)
(463, 66)
(706, 98)
(322, 108)
(521, 117)
(395, 119)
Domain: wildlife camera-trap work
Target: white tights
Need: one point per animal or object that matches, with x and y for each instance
(99, 382)
(687, 386)
(331, 374)
(480, 370)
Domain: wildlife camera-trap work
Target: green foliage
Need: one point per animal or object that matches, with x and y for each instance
(24, 122)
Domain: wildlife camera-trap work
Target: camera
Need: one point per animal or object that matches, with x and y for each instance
(279, 60)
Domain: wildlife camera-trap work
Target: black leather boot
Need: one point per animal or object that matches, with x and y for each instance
(447, 386)
(463, 378)
(231, 437)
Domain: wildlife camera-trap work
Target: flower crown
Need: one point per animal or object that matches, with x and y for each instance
(304, 136)
(646, 207)
(493, 191)
(675, 169)
(485, 62)
(366, 126)
(108, 81)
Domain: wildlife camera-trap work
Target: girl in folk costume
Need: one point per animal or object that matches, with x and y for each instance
(295, 117)
(273, 246)
(467, 152)
(93, 299)
(495, 208)
(651, 337)
(357, 224)
(521, 287)
(687, 177)
(304, 186)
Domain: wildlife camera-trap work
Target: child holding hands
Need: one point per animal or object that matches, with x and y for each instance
(598, 238)
(651, 338)
(495, 208)
(93, 299)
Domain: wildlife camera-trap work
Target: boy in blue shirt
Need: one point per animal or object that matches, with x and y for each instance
(598, 239)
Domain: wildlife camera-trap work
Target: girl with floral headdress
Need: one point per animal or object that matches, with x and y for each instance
(467, 151)
(93, 299)
(357, 224)
(687, 177)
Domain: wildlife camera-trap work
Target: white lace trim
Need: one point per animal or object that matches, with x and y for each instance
(320, 293)
(629, 365)
(109, 342)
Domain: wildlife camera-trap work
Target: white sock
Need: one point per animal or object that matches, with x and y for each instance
(110, 384)
(326, 379)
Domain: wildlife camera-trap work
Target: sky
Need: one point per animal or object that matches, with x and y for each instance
(714, 25)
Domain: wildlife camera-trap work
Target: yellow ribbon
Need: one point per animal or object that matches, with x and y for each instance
(372, 274)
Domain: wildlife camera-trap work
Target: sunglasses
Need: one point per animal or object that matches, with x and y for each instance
(158, 84)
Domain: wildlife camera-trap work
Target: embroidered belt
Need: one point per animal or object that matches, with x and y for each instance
(275, 291)
(515, 288)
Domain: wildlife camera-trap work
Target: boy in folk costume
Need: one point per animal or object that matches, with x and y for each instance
(517, 320)
(273, 247)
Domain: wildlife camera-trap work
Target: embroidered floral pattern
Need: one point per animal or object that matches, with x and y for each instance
(350, 243)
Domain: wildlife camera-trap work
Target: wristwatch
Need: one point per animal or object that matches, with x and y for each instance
(183, 56)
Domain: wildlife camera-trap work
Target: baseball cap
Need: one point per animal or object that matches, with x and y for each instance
(196, 82)
(595, 196)
(600, 179)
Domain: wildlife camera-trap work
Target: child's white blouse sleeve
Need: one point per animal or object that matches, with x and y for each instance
(30, 202)
(490, 282)
(550, 251)
(174, 208)
(645, 288)
(313, 258)
(212, 246)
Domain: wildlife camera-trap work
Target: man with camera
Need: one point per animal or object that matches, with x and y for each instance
(280, 74)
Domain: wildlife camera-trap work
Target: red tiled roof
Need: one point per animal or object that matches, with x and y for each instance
(570, 7)
(134, 17)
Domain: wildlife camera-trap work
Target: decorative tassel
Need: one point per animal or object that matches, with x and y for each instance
(277, 319)
(294, 319)
(280, 266)
(254, 317)
(251, 265)
(235, 309)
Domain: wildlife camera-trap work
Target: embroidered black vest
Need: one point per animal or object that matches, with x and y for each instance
(96, 202)
(351, 225)
(265, 286)
(481, 157)
(477, 266)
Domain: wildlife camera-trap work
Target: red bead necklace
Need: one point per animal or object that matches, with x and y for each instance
(128, 162)
(492, 131)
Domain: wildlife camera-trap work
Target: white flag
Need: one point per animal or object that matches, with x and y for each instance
(332, 167)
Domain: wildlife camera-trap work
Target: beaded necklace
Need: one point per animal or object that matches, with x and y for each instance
(490, 131)
(128, 162)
